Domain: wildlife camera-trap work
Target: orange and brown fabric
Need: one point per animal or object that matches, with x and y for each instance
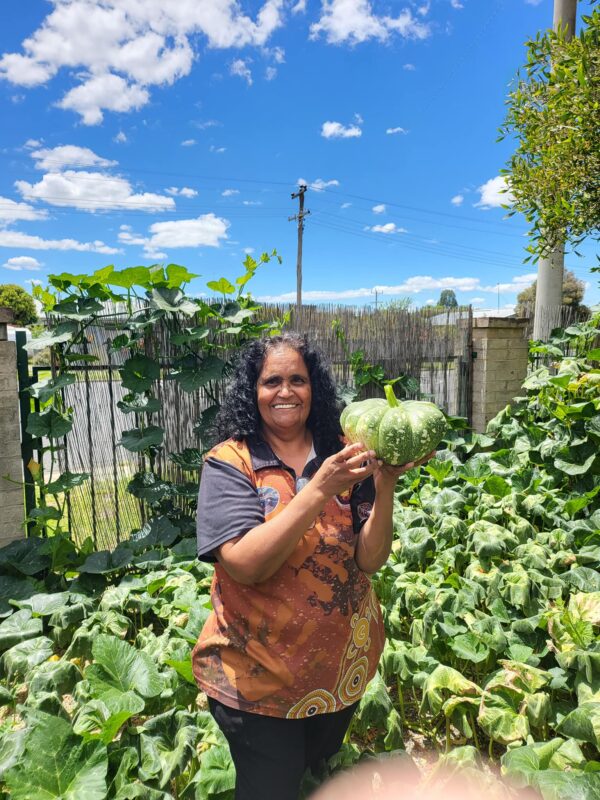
(308, 639)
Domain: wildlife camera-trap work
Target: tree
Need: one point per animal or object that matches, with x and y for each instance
(555, 115)
(448, 299)
(21, 302)
(572, 293)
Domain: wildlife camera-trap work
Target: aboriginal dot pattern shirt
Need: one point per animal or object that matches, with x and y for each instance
(308, 639)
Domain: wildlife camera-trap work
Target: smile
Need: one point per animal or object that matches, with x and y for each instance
(286, 405)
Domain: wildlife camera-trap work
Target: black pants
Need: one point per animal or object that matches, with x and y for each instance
(270, 754)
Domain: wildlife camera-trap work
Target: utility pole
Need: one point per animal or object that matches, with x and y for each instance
(548, 294)
(300, 217)
(376, 292)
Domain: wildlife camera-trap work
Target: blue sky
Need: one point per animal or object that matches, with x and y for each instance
(138, 131)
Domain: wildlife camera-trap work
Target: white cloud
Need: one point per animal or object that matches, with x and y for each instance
(188, 143)
(389, 227)
(214, 149)
(379, 208)
(91, 191)
(185, 191)
(103, 92)
(335, 130)
(457, 4)
(248, 250)
(27, 242)
(18, 263)
(319, 185)
(34, 281)
(457, 200)
(206, 230)
(118, 48)
(252, 202)
(391, 131)
(477, 300)
(345, 205)
(494, 193)
(409, 67)
(230, 192)
(414, 285)
(204, 124)
(533, 2)
(120, 138)
(30, 144)
(270, 73)
(423, 10)
(299, 7)
(240, 68)
(68, 155)
(10, 211)
(353, 21)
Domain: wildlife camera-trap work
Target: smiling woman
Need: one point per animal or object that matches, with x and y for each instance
(294, 521)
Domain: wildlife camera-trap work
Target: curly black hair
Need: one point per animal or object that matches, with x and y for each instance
(238, 416)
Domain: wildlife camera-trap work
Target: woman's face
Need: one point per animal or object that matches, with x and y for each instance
(283, 391)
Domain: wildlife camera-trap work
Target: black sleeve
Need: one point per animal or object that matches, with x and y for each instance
(228, 506)
(361, 502)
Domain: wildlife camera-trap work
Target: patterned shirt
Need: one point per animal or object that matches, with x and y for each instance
(308, 639)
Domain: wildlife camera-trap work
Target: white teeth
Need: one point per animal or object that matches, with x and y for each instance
(285, 405)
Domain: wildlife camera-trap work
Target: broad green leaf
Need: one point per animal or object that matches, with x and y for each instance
(44, 605)
(571, 464)
(11, 749)
(24, 556)
(22, 657)
(49, 423)
(217, 775)
(105, 562)
(102, 718)
(117, 665)
(139, 404)
(57, 765)
(60, 334)
(444, 682)
(139, 372)
(159, 531)
(78, 308)
(176, 275)
(54, 676)
(47, 388)
(192, 375)
(19, 627)
(190, 459)
(222, 286)
(469, 647)
(148, 486)
(167, 743)
(67, 481)
(583, 724)
(501, 717)
(172, 300)
(130, 277)
(138, 439)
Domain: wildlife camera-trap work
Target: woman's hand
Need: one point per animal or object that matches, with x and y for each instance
(342, 470)
(386, 475)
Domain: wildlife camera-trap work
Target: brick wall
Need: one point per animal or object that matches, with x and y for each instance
(499, 367)
(12, 511)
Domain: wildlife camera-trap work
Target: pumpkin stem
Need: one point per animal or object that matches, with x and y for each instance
(390, 396)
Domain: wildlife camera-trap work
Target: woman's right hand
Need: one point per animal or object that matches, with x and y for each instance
(342, 470)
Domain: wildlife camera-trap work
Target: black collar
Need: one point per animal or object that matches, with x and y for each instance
(262, 456)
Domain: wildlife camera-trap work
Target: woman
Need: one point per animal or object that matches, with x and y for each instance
(295, 521)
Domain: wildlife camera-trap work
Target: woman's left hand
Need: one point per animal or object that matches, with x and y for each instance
(388, 474)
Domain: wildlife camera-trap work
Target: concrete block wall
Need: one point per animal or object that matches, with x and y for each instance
(499, 366)
(12, 509)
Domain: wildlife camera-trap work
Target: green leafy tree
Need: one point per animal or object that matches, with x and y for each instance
(572, 293)
(448, 299)
(554, 114)
(21, 302)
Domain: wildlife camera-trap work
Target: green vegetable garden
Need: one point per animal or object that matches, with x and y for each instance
(491, 597)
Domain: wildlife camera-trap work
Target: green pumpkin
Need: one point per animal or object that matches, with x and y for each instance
(398, 432)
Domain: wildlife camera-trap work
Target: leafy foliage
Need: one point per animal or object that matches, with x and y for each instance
(554, 113)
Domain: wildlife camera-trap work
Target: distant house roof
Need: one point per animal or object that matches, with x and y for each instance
(444, 318)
